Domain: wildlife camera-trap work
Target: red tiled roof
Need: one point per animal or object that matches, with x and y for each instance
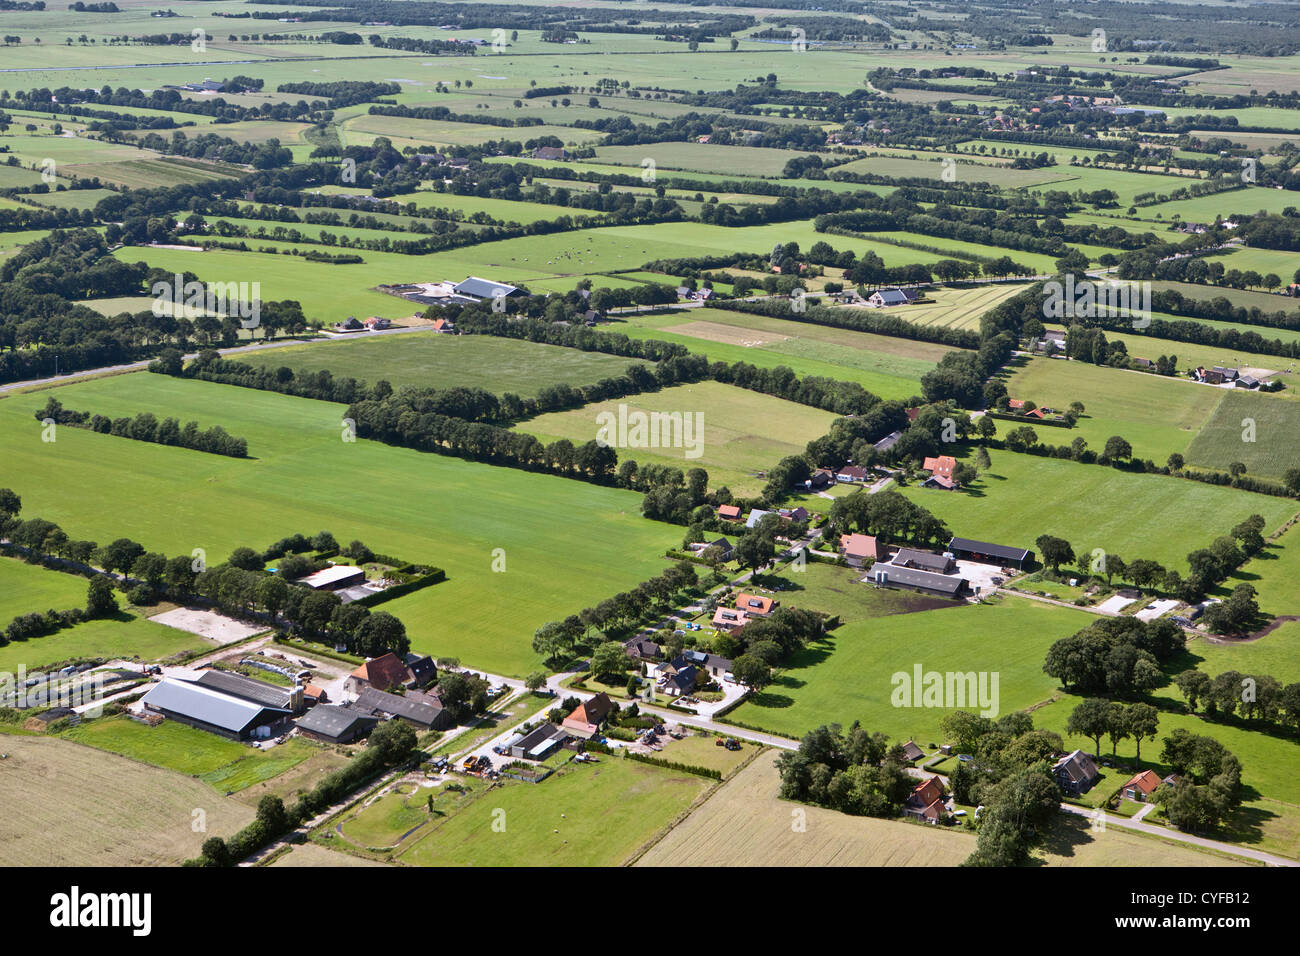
(1147, 781)
(383, 672)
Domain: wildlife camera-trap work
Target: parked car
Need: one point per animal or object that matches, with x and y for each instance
(470, 762)
(732, 744)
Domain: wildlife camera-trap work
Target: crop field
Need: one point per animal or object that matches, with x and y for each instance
(700, 157)
(448, 361)
(1111, 509)
(138, 816)
(1269, 450)
(958, 308)
(302, 478)
(744, 431)
(849, 676)
(1156, 414)
(584, 815)
(746, 823)
(415, 132)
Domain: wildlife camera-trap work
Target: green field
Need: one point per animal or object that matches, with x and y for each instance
(583, 815)
(448, 361)
(225, 764)
(744, 432)
(849, 676)
(301, 477)
(1095, 506)
(1158, 415)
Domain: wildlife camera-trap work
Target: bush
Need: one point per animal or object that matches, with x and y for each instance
(142, 596)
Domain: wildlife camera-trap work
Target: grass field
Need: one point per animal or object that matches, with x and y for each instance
(746, 823)
(744, 432)
(225, 764)
(567, 544)
(25, 588)
(848, 677)
(1156, 414)
(1273, 449)
(449, 361)
(1094, 506)
(69, 805)
(583, 815)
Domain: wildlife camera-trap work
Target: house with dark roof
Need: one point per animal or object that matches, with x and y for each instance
(887, 297)
(333, 724)
(982, 552)
(218, 713)
(851, 473)
(422, 711)
(1075, 773)
(912, 752)
(723, 545)
(550, 152)
(587, 717)
(711, 664)
(924, 561)
(681, 682)
(539, 743)
(381, 673)
(421, 669)
(642, 650)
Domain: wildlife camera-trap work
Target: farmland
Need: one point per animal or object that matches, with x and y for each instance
(1115, 510)
(743, 432)
(1257, 430)
(442, 510)
(140, 816)
(427, 358)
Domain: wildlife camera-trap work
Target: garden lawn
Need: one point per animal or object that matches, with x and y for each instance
(565, 544)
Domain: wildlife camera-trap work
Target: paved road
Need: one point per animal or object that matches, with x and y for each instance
(1126, 824)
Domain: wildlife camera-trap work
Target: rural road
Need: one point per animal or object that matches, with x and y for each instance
(1168, 834)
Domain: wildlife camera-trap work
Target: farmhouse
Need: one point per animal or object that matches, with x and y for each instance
(1142, 786)
(912, 752)
(851, 473)
(941, 466)
(587, 717)
(333, 724)
(422, 669)
(334, 578)
(887, 297)
(381, 672)
(1076, 773)
(213, 711)
(722, 544)
(550, 152)
(377, 322)
(925, 802)
(924, 561)
(923, 582)
(966, 549)
(444, 325)
(422, 713)
(729, 512)
(862, 549)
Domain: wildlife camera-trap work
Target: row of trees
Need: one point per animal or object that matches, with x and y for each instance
(146, 427)
(1255, 697)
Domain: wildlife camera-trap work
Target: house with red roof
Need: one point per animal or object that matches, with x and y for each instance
(860, 550)
(1142, 786)
(925, 802)
(381, 673)
(587, 717)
